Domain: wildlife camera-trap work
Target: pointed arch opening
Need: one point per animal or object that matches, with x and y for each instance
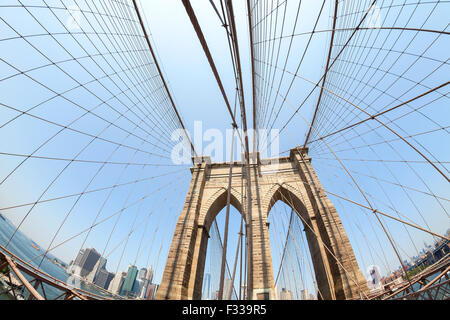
(303, 268)
(294, 275)
(214, 223)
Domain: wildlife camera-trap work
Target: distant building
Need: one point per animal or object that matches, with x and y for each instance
(77, 261)
(143, 281)
(244, 291)
(100, 265)
(227, 287)
(304, 294)
(206, 291)
(141, 274)
(88, 261)
(116, 283)
(375, 278)
(151, 291)
(127, 287)
(138, 285)
(442, 248)
(143, 292)
(285, 294)
(75, 266)
(392, 277)
(103, 278)
(149, 275)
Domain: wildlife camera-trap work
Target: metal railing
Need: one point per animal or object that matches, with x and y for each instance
(23, 281)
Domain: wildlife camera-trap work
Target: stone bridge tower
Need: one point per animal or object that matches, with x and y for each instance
(289, 179)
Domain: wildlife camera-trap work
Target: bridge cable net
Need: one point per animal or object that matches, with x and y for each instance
(85, 149)
(372, 115)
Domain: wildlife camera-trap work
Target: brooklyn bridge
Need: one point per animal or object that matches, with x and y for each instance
(224, 150)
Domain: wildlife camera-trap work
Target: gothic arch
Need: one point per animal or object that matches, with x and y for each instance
(216, 202)
(317, 238)
(208, 212)
(288, 194)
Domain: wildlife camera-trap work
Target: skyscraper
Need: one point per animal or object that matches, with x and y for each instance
(147, 280)
(149, 275)
(75, 266)
(77, 261)
(103, 278)
(207, 287)
(151, 291)
(100, 265)
(88, 261)
(127, 286)
(137, 287)
(143, 292)
(116, 284)
(375, 281)
(141, 274)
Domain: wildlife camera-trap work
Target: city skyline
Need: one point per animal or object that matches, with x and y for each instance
(91, 267)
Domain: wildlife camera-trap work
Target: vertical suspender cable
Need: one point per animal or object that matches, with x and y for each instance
(161, 75)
